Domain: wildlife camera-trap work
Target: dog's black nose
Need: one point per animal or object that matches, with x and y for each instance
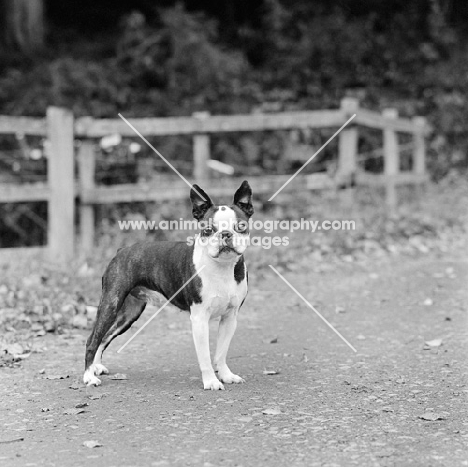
(226, 235)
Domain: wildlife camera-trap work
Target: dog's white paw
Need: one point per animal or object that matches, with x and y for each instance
(229, 378)
(89, 377)
(213, 384)
(100, 369)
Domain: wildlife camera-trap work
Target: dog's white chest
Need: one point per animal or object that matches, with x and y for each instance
(220, 292)
(221, 296)
(219, 300)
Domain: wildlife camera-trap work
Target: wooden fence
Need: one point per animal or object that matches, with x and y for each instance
(61, 129)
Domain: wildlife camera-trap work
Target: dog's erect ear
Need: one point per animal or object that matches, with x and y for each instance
(201, 202)
(243, 198)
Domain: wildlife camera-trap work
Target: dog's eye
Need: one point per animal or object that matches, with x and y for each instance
(241, 227)
(208, 231)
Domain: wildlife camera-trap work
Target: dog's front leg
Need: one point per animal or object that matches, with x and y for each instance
(227, 327)
(201, 338)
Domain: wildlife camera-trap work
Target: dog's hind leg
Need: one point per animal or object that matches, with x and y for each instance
(115, 315)
(130, 311)
(106, 316)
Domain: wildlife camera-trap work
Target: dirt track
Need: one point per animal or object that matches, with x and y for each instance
(329, 405)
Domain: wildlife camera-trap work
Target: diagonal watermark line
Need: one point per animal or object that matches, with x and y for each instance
(304, 165)
(310, 306)
(160, 309)
(161, 156)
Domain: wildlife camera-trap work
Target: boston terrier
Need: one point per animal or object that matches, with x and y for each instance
(218, 288)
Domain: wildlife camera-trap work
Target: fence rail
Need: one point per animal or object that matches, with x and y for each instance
(60, 191)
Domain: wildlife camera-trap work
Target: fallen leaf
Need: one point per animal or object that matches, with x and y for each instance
(73, 411)
(14, 440)
(45, 409)
(75, 386)
(94, 397)
(271, 372)
(23, 356)
(57, 376)
(92, 444)
(271, 340)
(434, 343)
(119, 376)
(271, 411)
(340, 309)
(431, 416)
(81, 405)
(15, 349)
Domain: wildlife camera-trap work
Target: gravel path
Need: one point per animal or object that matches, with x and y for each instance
(397, 401)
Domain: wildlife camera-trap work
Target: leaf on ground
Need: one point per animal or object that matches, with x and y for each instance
(95, 397)
(75, 386)
(119, 376)
(45, 409)
(92, 444)
(14, 440)
(81, 405)
(15, 349)
(434, 343)
(271, 340)
(273, 411)
(73, 411)
(57, 376)
(271, 372)
(431, 416)
(340, 309)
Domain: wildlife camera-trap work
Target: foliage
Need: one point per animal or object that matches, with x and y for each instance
(282, 55)
(173, 69)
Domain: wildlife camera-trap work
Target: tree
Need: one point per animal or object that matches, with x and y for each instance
(24, 24)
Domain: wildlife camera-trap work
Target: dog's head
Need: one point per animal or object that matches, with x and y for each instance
(224, 230)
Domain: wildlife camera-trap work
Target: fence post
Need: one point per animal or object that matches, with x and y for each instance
(391, 160)
(60, 165)
(201, 152)
(419, 148)
(86, 165)
(348, 148)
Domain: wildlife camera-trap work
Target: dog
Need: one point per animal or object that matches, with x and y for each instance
(217, 290)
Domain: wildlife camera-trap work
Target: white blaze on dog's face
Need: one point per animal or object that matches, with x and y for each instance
(224, 229)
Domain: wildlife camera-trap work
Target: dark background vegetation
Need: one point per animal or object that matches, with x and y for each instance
(169, 58)
(159, 58)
